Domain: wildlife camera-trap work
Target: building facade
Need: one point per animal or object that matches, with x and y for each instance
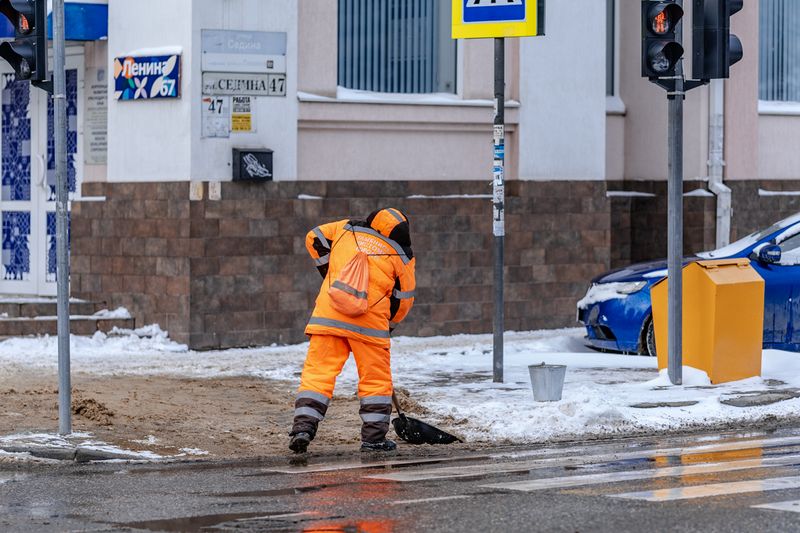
(369, 102)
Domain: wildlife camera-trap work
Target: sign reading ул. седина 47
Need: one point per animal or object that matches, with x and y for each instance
(476, 19)
(137, 78)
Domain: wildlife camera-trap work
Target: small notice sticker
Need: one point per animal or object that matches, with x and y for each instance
(242, 114)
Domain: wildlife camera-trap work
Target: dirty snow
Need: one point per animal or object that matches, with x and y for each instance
(85, 441)
(452, 378)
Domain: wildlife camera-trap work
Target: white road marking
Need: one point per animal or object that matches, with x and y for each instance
(334, 467)
(672, 471)
(278, 516)
(426, 500)
(714, 489)
(790, 506)
(576, 460)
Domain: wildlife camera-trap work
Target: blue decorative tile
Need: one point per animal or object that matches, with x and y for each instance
(16, 132)
(16, 249)
(72, 136)
(52, 251)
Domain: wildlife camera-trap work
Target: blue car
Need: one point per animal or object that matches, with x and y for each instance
(618, 315)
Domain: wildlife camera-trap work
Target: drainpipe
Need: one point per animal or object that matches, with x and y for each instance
(716, 161)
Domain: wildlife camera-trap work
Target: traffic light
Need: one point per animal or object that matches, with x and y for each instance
(661, 50)
(714, 48)
(27, 54)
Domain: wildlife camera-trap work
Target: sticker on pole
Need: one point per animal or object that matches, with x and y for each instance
(474, 19)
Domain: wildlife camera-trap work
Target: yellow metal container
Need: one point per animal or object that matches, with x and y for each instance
(723, 316)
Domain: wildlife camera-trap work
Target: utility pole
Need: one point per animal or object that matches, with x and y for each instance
(62, 219)
(499, 192)
(715, 49)
(675, 225)
(498, 20)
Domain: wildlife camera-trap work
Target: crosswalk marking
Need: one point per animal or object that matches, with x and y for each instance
(279, 516)
(334, 467)
(616, 477)
(556, 462)
(427, 500)
(714, 489)
(792, 506)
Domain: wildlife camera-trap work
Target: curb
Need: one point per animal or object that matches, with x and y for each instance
(76, 454)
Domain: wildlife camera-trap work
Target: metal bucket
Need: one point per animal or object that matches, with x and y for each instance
(547, 381)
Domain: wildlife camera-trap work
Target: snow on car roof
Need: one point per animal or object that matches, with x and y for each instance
(744, 243)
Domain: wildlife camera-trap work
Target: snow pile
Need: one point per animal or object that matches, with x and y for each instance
(691, 377)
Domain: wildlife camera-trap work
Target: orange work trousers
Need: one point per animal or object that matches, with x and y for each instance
(327, 354)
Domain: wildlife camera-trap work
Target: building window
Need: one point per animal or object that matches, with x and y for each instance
(611, 37)
(396, 46)
(779, 68)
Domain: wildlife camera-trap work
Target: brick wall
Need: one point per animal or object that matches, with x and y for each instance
(752, 212)
(640, 222)
(134, 250)
(234, 272)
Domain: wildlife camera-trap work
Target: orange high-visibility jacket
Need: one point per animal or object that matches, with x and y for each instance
(392, 282)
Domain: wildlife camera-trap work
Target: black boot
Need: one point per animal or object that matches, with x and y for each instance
(300, 442)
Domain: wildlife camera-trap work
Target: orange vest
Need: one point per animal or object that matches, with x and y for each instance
(391, 277)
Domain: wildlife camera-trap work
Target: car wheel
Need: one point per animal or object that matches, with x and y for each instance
(650, 339)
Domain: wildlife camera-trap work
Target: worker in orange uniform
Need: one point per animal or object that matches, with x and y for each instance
(368, 288)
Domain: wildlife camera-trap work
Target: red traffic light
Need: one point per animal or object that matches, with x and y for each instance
(24, 26)
(663, 17)
(27, 54)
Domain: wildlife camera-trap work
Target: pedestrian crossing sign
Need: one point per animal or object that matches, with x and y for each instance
(475, 19)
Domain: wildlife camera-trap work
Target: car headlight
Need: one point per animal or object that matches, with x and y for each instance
(630, 287)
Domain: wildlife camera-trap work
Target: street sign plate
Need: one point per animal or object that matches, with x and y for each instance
(474, 19)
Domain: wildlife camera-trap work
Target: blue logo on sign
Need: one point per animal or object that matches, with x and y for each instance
(494, 10)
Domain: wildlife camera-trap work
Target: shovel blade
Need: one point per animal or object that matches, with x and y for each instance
(415, 431)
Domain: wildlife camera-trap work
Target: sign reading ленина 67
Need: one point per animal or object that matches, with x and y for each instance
(138, 78)
(477, 19)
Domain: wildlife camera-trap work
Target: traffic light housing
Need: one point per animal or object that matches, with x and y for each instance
(714, 48)
(27, 54)
(661, 49)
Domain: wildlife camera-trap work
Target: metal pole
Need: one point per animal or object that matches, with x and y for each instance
(62, 221)
(675, 227)
(499, 187)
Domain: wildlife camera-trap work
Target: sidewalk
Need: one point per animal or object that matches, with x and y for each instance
(141, 392)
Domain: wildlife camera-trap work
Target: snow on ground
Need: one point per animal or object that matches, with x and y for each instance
(85, 441)
(452, 377)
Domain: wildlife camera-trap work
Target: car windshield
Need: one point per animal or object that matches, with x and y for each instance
(746, 242)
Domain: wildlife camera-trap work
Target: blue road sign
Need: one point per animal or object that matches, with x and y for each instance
(494, 10)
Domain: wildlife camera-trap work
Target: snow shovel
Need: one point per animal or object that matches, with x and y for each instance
(414, 431)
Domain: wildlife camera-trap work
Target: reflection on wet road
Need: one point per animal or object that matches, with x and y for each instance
(730, 482)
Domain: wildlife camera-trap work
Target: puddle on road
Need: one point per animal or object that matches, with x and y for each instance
(197, 523)
(277, 521)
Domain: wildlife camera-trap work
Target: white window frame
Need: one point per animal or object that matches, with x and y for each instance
(775, 107)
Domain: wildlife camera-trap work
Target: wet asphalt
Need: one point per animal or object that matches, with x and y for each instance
(462, 491)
